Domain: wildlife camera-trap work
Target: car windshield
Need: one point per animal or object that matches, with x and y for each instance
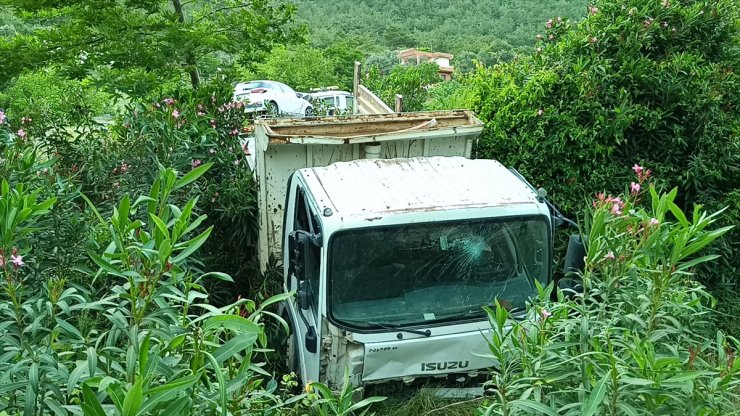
(422, 273)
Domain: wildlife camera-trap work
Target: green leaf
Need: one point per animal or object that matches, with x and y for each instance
(132, 402)
(92, 361)
(233, 346)
(193, 245)
(694, 262)
(167, 391)
(596, 397)
(192, 175)
(534, 406)
(233, 322)
(161, 226)
(91, 406)
(364, 403)
(55, 407)
(221, 381)
(69, 330)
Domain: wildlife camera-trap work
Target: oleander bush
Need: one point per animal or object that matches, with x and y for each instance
(637, 340)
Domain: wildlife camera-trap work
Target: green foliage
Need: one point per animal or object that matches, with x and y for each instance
(637, 81)
(326, 402)
(135, 47)
(636, 341)
(484, 29)
(47, 97)
(163, 350)
(301, 67)
(410, 81)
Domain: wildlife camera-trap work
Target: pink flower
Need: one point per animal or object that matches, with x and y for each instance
(593, 10)
(544, 313)
(649, 21)
(169, 101)
(175, 113)
(116, 185)
(201, 107)
(25, 120)
(21, 133)
(593, 39)
(17, 260)
(235, 132)
(551, 37)
(124, 167)
(666, 3)
(654, 222)
(559, 19)
(212, 123)
(157, 105)
(634, 188)
(539, 50)
(2, 117)
(201, 114)
(538, 37)
(195, 163)
(540, 112)
(236, 162)
(212, 151)
(665, 24)
(610, 255)
(616, 209)
(638, 169)
(548, 24)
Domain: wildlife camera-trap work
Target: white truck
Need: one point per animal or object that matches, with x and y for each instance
(393, 240)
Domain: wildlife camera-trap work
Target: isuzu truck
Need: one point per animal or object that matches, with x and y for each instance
(393, 239)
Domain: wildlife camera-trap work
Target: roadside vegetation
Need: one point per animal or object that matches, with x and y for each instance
(128, 213)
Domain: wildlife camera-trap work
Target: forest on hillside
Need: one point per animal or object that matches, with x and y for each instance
(480, 29)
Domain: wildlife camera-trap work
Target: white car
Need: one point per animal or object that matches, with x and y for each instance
(273, 98)
(332, 102)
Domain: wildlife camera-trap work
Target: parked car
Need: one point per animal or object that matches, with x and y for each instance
(272, 98)
(332, 101)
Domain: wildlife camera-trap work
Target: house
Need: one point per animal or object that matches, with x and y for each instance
(441, 59)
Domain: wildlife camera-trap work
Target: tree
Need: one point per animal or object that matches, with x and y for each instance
(411, 81)
(301, 67)
(137, 45)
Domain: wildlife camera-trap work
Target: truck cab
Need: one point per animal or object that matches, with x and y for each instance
(393, 261)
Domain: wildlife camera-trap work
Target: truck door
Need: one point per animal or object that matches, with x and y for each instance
(305, 312)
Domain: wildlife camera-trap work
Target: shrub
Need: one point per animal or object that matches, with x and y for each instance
(410, 81)
(163, 348)
(50, 100)
(647, 81)
(636, 341)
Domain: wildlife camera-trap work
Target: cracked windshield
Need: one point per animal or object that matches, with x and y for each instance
(423, 273)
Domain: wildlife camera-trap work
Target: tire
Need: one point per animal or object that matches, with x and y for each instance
(309, 111)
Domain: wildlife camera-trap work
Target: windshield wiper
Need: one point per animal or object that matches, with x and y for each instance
(394, 327)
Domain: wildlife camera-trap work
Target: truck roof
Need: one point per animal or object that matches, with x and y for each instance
(378, 187)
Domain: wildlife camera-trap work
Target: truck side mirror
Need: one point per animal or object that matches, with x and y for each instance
(574, 264)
